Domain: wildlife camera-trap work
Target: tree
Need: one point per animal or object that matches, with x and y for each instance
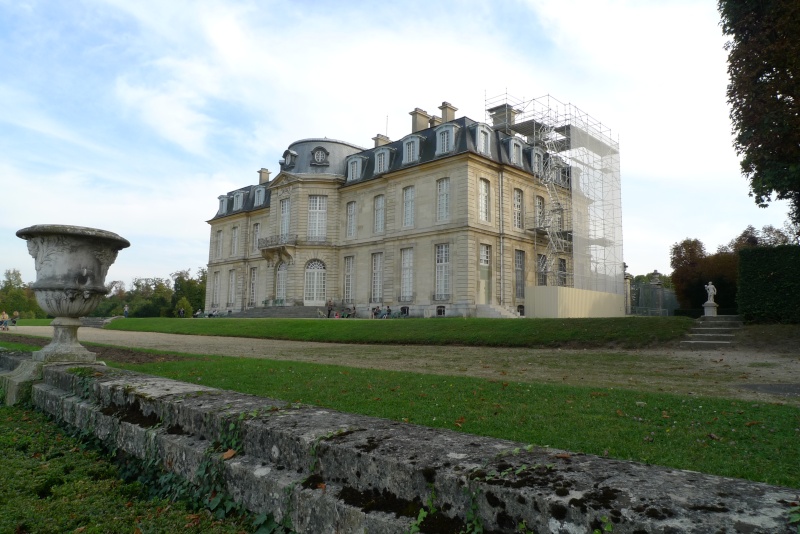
(764, 95)
(15, 295)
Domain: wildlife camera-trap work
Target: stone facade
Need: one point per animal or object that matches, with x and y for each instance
(448, 218)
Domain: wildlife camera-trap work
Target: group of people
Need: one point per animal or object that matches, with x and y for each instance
(377, 313)
(4, 319)
(344, 313)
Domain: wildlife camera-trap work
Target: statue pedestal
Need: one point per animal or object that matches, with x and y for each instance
(710, 309)
(65, 346)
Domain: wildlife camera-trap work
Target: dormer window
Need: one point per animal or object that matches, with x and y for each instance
(319, 157)
(289, 159)
(259, 197)
(515, 152)
(483, 140)
(537, 160)
(411, 149)
(382, 160)
(445, 138)
(238, 199)
(223, 204)
(355, 166)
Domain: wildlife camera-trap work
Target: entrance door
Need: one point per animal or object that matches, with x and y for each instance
(280, 285)
(485, 275)
(314, 284)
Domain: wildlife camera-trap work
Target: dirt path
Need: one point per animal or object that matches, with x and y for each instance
(740, 373)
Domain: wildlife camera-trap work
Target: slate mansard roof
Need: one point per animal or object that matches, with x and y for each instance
(299, 158)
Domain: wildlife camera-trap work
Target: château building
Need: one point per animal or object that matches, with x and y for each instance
(517, 216)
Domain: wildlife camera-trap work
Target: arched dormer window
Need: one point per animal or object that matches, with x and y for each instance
(238, 200)
(383, 160)
(355, 167)
(319, 157)
(223, 204)
(483, 140)
(411, 148)
(515, 152)
(537, 161)
(445, 138)
(259, 196)
(289, 159)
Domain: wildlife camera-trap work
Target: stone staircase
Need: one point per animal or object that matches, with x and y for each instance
(491, 311)
(279, 312)
(713, 332)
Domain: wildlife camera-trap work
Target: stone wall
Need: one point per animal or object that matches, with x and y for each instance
(336, 472)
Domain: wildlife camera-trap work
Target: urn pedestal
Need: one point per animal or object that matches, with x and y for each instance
(71, 267)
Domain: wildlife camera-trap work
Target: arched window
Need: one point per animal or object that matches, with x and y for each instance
(315, 284)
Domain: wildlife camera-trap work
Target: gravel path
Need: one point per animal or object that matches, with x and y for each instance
(739, 373)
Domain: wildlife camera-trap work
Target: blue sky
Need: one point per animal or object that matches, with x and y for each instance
(134, 116)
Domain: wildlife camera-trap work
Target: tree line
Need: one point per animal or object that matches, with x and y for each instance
(146, 297)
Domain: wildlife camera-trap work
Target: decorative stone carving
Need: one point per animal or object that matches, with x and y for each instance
(71, 267)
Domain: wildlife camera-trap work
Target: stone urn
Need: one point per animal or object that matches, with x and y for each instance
(71, 267)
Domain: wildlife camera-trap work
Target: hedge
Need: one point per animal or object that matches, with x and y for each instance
(769, 284)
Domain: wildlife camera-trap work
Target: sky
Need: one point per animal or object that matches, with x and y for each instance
(134, 117)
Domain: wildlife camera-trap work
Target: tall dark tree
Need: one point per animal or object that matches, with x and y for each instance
(764, 95)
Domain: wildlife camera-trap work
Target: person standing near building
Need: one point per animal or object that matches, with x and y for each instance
(125, 311)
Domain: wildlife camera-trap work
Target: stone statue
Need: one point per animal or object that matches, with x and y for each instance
(711, 290)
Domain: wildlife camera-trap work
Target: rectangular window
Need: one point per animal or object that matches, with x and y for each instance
(220, 241)
(411, 151)
(377, 277)
(380, 162)
(444, 141)
(215, 291)
(231, 287)
(253, 286)
(442, 281)
(483, 200)
(234, 241)
(354, 165)
(237, 201)
(285, 218)
(484, 142)
(259, 197)
(443, 199)
(406, 274)
(317, 217)
(380, 213)
(408, 206)
(519, 273)
(256, 234)
(518, 209)
(540, 215)
(516, 157)
(537, 158)
(348, 278)
(562, 272)
(541, 270)
(351, 219)
(485, 255)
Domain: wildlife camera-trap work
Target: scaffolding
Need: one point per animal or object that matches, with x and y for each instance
(580, 172)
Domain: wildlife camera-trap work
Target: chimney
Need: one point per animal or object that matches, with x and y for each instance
(381, 140)
(448, 111)
(263, 176)
(435, 121)
(419, 120)
(503, 115)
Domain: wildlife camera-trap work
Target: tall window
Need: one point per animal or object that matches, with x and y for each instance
(519, 273)
(377, 277)
(231, 287)
(516, 153)
(406, 274)
(442, 199)
(408, 206)
(485, 255)
(354, 169)
(280, 283)
(237, 200)
(442, 282)
(317, 217)
(540, 215)
(220, 241)
(215, 291)
(484, 142)
(444, 141)
(351, 219)
(234, 241)
(483, 200)
(251, 301)
(285, 218)
(259, 196)
(256, 234)
(537, 163)
(541, 270)
(380, 213)
(558, 221)
(518, 209)
(315, 283)
(562, 272)
(410, 151)
(380, 162)
(348, 278)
